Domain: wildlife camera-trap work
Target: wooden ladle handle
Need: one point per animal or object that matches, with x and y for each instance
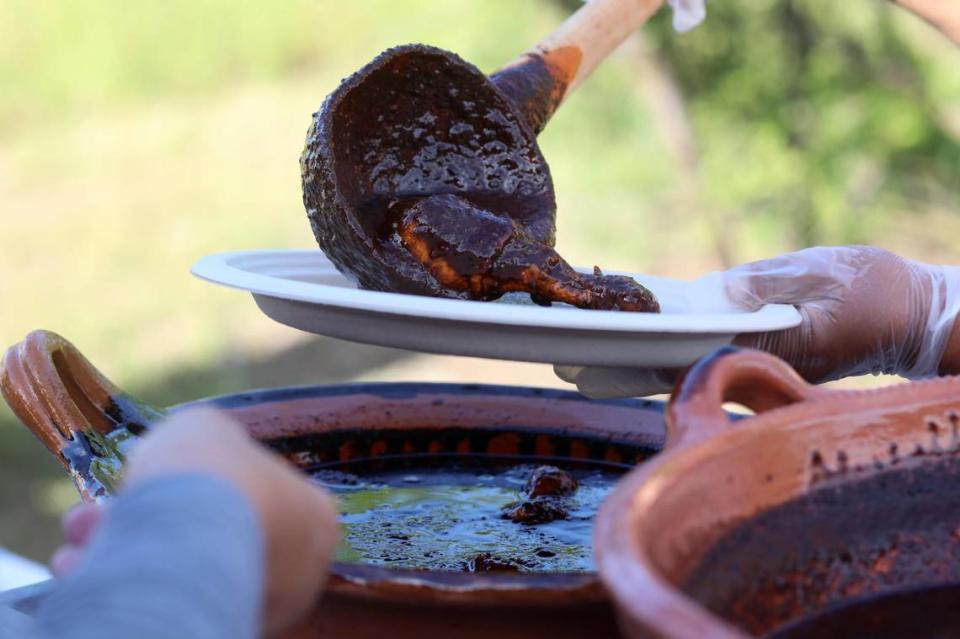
(60, 396)
(752, 378)
(539, 80)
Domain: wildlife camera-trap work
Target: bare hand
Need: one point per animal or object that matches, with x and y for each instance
(299, 520)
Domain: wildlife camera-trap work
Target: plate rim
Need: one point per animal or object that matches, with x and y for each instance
(218, 268)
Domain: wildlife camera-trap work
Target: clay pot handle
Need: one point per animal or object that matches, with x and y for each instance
(57, 394)
(755, 379)
(538, 81)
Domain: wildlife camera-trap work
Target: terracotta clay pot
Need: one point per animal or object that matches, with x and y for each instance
(87, 422)
(824, 510)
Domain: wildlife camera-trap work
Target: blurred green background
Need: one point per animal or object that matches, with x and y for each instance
(136, 137)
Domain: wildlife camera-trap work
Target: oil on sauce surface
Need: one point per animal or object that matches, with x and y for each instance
(465, 517)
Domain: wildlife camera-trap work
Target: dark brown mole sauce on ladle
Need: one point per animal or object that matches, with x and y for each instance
(451, 141)
(426, 123)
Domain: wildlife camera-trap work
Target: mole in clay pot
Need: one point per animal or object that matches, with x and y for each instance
(422, 474)
(825, 514)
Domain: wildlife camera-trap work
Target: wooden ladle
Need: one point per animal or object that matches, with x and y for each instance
(419, 122)
(539, 80)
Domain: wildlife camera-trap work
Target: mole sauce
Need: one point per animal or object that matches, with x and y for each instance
(462, 516)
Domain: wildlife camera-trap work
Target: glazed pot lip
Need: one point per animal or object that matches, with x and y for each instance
(441, 397)
(826, 421)
(357, 579)
(88, 423)
(405, 390)
(623, 564)
(440, 586)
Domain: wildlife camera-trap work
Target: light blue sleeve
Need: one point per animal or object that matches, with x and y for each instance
(176, 557)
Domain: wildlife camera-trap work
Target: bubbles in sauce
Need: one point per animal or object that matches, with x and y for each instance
(457, 518)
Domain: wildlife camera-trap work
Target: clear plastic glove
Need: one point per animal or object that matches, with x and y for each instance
(687, 14)
(943, 15)
(865, 310)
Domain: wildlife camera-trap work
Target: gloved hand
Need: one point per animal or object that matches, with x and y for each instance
(944, 16)
(687, 14)
(865, 310)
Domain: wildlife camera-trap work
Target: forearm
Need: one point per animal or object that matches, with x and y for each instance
(942, 14)
(178, 556)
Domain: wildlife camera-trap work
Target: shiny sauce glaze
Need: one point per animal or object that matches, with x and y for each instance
(474, 517)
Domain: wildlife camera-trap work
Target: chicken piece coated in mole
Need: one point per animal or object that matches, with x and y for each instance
(546, 490)
(550, 481)
(540, 510)
(474, 250)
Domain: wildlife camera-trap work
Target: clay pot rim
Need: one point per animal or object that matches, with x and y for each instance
(405, 390)
(439, 586)
(56, 392)
(623, 562)
(402, 585)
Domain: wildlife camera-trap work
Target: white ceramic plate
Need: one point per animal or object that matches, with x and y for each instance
(302, 289)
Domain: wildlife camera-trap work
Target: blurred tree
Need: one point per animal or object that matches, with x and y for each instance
(811, 119)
